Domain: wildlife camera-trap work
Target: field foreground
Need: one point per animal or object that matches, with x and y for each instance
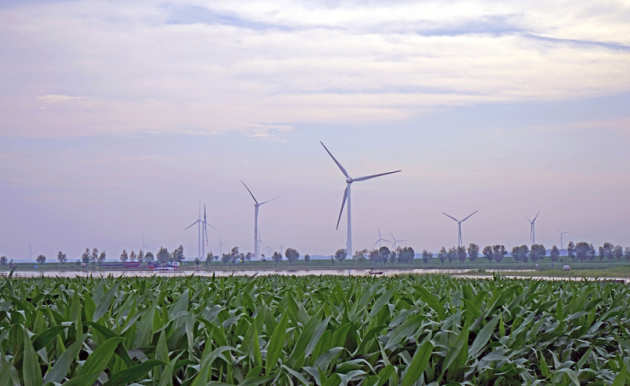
(312, 330)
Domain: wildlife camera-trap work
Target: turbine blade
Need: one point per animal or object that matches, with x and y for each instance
(189, 226)
(343, 204)
(451, 217)
(273, 199)
(343, 170)
(375, 175)
(250, 192)
(469, 216)
(536, 217)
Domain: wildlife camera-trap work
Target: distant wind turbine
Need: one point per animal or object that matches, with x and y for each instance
(459, 225)
(380, 239)
(202, 232)
(562, 234)
(532, 228)
(396, 241)
(257, 206)
(346, 197)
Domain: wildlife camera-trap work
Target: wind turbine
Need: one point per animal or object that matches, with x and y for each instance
(346, 197)
(202, 232)
(257, 206)
(381, 239)
(396, 241)
(562, 234)
(532, 228)
(459, 225)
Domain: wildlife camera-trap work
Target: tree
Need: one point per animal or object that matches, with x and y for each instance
(197, 262)
(582, 250)
(85, 257)
(426, 255)
(461, 254)
(520, 253)
(41, 259)
(373, 256)
(3, 260)
(498, 252)
(340, 254)
(473, 251)
(292, 255)
(277, 257)
(132, 256)
(618, 252)
(538, 251)
(140, 256)
(452, 254)
(163, 256)
(178, 254)
(406, 255)
(94, 256)
(101, 257)
(307, 258)
(571, 250)
(442, 255)
(209, 258)
(123, 256)
(555, 254)
(383, 254)
(627, 253)
(359, 255)
(149, 257)
(487, 252)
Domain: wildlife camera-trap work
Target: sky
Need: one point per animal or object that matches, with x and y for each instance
(119, 118)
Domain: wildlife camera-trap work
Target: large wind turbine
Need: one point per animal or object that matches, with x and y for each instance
(202, 232)
(346, 197)
(532, 228)
(459, 225)
(257, 206)
(396, 241)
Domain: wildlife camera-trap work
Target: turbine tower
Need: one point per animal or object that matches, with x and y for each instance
(459, 225)
(380, 239)
(346, 197)
(562, 234)
(257, 206)
(532, 228)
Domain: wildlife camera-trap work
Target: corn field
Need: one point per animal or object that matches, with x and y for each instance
(312, 330)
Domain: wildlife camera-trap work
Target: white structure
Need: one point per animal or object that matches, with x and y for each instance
(459, 225)
(396, 242)
(202, 232)
(532, 229)
(379, 242)
(257, 206)
(346, 197)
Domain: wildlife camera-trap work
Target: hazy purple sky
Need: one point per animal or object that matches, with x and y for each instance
(117, 118)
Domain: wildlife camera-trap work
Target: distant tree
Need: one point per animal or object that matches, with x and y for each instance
(618, 252)
(85, 257)
(248, 256)
(277, 257)
(149, 257)
(140, 256)
(555, 254)
(292, 255)
(3, 260)
(101, 257)
(226, 258)
(197, 262)
(61, 257)
(442, 255)
(537, 252)
(602, 253)
(520, 253)
(406, 255)
(452, 254)
(473, 251)
(123, 256)
(384, 253)
(571, 250)
(94, 255)
(374, 256)
(627, 253)
(498, 252)
(487, 252)
(209, 258)
(360, 255)
(340, 254)
(307, 258)
(591, 252)
(582, 250)
(41, 259)
(426, 256)
(132, 256)
(163, 256)
(461, 254)
(178, 254)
